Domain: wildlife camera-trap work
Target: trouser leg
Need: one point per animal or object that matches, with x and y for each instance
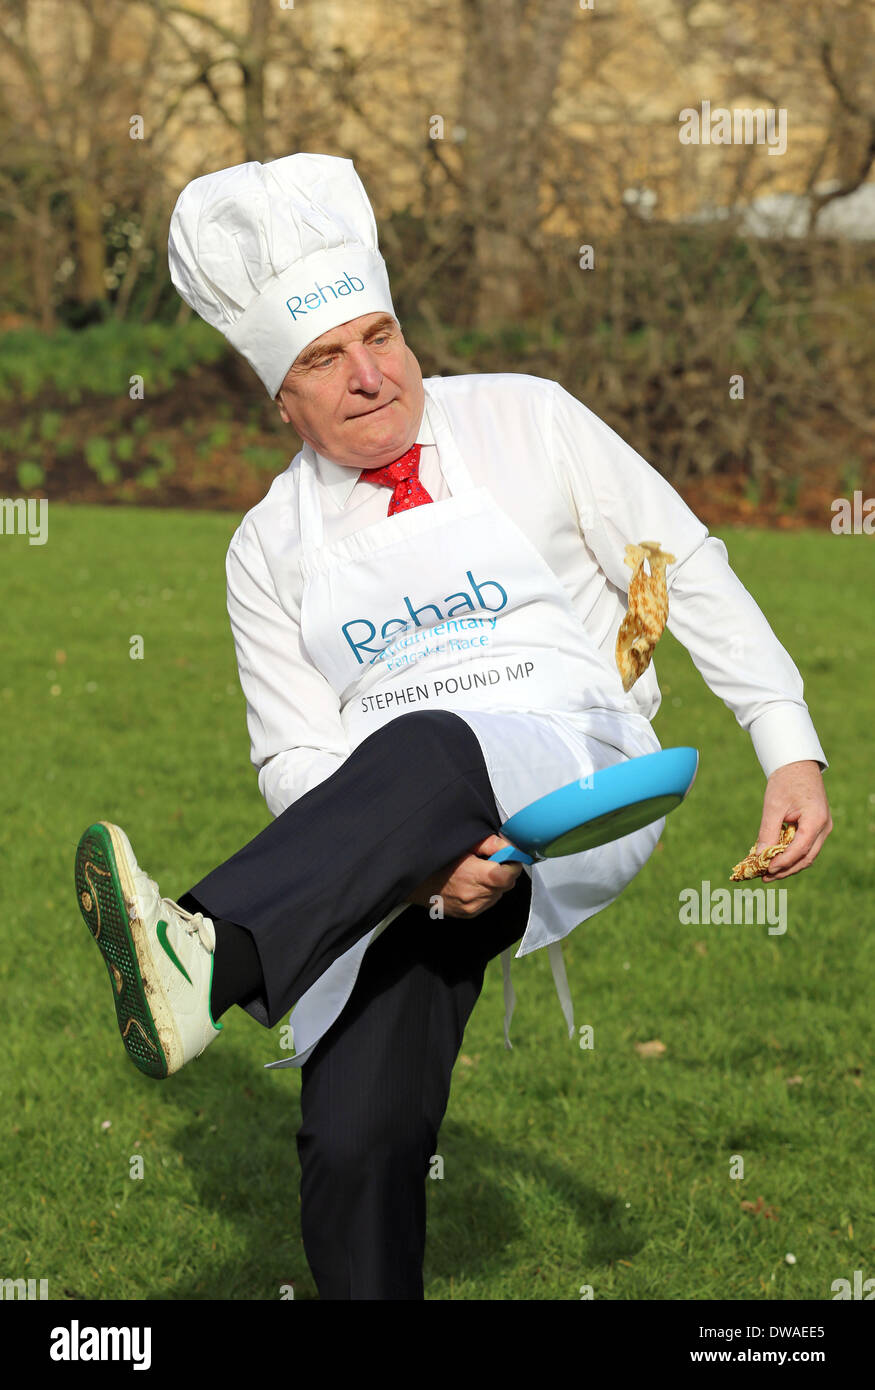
(374, 1093)
(411, 798)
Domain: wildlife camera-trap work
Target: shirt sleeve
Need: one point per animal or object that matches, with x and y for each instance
(292, 713)
(620, 499)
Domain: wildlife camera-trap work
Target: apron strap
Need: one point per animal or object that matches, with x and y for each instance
(560, 979)
(509, 997)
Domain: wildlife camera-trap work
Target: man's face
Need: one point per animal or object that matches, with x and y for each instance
(355, 394)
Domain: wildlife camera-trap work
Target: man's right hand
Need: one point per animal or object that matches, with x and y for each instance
(470, 884)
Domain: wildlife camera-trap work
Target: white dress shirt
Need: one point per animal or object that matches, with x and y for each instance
(580, 494)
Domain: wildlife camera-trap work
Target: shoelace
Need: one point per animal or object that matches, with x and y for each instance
(190, 921)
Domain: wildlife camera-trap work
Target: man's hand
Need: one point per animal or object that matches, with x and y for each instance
(470, 884)
(794, 793)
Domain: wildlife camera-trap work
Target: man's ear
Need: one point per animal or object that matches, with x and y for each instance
(284, 414)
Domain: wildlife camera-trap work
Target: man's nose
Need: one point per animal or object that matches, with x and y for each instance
(364, 373)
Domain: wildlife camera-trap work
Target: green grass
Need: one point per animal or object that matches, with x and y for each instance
(563, 1167)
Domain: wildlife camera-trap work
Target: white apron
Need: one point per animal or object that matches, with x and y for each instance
(450, 606)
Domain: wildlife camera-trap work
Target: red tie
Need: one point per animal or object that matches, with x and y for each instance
(403, 476)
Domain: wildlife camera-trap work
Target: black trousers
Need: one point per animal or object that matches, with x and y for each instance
(410, 799)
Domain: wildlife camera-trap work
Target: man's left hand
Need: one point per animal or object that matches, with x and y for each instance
(794, 793)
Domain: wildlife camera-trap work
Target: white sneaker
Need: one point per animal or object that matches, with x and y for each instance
(159, 957)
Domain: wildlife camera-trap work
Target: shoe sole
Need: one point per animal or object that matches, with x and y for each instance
(107, 901)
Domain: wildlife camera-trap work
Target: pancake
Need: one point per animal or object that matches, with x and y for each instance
(647, 613)
(755, 865)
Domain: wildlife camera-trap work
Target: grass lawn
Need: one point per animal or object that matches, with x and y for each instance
(562, 1166)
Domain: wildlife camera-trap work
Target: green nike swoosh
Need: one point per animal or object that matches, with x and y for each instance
(166, 946)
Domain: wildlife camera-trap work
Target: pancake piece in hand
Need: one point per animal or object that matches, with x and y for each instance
(755, 865)
(645, 620)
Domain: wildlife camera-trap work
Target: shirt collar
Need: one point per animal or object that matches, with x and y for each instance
(339, 479)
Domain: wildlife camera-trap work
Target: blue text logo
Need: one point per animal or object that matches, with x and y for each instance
(350, 284)
(465, 604)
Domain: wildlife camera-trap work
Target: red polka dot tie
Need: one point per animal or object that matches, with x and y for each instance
(403, 476)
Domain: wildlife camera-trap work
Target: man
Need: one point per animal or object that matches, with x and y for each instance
(414, 673)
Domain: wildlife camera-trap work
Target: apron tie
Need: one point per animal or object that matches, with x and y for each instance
(560, 980)
(403, 476)
(509, 997)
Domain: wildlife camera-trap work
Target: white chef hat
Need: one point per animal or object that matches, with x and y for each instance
(274, 255)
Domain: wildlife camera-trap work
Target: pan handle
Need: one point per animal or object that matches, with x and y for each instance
(510, 853)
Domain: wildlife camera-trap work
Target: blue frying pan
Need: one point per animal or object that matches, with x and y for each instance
(605, 806)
